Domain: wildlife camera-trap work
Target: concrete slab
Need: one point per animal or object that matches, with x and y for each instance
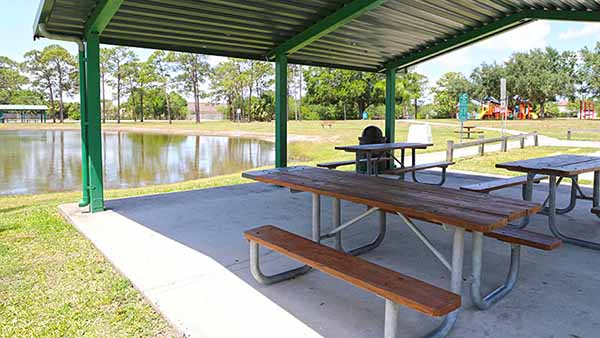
(185, 252)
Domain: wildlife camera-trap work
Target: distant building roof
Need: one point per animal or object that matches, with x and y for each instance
(25, 107)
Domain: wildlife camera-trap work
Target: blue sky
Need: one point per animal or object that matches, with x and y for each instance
(17, 16)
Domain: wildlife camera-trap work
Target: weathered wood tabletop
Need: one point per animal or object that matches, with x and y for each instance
(560, 165)
(383, 147)
(469, 210)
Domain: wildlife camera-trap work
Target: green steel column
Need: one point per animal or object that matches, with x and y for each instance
(281, 114)
(390, 104)
(390, 108)
(94, 133)
(85, 171)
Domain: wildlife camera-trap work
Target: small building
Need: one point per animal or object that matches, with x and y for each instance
(23, 113)
(208, 111)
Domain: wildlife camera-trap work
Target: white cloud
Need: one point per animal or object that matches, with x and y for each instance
(456, 59)
(529, 36)
(585, 30)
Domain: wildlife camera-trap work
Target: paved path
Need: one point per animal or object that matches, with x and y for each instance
(473, 151)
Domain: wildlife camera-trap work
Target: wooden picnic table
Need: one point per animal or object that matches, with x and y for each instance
(461, 210)
(383, 149)
(468, 131)
(557, 168)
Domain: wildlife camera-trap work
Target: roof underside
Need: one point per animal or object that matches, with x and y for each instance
(397, 32)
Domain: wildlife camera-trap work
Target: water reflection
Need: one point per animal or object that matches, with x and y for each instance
(42, 161)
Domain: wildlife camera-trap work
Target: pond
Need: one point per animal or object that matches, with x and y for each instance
(38, 161)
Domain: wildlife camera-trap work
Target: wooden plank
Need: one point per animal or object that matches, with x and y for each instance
(464, 209)
(560, 165)
(527, 238)
(489, 186)
(383, 147)
(596, 210)
(418, 167)
(387, 283)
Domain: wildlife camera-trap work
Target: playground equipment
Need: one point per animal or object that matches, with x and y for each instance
(587, 109)
(491, 109)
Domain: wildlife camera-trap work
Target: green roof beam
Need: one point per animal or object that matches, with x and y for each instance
(101, 16)
(326, 25)
(493, 28)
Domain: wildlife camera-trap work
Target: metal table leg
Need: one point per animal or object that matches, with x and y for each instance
(552, 221)
(458, 247)
(289, 274)
(493, 297)
(527, 196)
(596, 193)
(337, 221)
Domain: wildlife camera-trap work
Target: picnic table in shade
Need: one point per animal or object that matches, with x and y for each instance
(458, 211)
(378, 150)
(557, 168)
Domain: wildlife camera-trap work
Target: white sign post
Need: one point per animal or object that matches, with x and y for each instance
(503, 103)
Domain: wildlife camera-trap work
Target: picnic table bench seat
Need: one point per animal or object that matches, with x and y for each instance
(424, 166)
(335, 164)
(524, 237)
(401, 171)
(469, 132)
(389, 284)
(489, 186)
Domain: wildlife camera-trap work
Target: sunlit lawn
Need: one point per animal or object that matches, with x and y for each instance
(54, 283)
(487, 164)
(556, 128)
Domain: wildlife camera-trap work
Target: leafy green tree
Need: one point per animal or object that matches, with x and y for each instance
(65, 73)
(43, 76)
(589, 71)
(163, 67)
(193, 71)
(542, 75)
(116, 58)
(446, 93)
(485, 80)
(225, 84)
(11, 80)
(410, 87)
(104, 70)
(337, 87)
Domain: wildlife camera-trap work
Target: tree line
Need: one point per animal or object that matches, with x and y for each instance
(244, 89)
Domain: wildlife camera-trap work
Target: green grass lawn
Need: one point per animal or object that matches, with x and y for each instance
(556, 128)
(54, 283)
(487, 164)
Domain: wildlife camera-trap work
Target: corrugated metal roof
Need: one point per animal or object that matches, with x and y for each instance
(252, 28)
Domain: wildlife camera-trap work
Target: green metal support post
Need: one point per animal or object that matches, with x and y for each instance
(281, 114)
(94, 134)
(390, 107)
(390, 104)
(85, 171)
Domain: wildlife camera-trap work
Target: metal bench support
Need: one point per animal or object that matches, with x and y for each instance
(440, 182)
(485, 302)
(293, 273)
(338, 227)
(392, 309)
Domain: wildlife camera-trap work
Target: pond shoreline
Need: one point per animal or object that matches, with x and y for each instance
(170, 130)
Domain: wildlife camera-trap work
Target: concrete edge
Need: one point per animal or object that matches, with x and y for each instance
(179, 330)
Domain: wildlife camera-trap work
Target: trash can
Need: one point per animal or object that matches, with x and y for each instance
(371, 135)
